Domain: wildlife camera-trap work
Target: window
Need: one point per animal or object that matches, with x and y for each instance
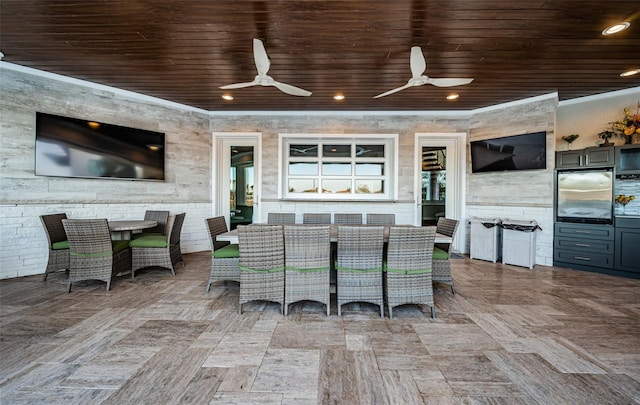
(338, 168)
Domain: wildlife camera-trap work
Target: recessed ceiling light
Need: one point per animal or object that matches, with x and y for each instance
(227, 97)
(614, 29)
(338, 97)
(630, 73)
(453, 96)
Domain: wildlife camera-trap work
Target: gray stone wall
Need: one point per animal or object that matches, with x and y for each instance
(519, 195)
(24, 196)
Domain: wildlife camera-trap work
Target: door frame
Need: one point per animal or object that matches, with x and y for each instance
(455, 197)
(220, 163)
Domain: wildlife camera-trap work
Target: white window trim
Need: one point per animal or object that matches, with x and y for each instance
(390, 159)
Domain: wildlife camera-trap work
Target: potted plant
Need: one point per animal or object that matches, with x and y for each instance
(606, 135)
(570, 139)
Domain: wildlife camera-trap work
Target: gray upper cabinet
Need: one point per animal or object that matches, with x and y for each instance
(589, 157)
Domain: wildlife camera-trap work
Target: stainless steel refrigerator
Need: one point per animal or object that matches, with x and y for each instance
(585, 196)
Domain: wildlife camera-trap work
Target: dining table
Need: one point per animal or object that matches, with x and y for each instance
(232, 235)
(123, 229)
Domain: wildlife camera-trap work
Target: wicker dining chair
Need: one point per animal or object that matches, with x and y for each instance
(261, 264)
(161, 217)
(92, 253)
(347, 219)
(58, 243)
(316, 218)
(381, 219)
(281, 218)
(441, 253)
(224, 257)
(408, 267)
(307, 264)
(359, 265)
(159, 250)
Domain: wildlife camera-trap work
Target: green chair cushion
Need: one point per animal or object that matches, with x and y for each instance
(150, 242)
(143, 234)
(310, 270)
(405, 272)
(119, 245)
(227, 252)
(63, 244)
(439, 254)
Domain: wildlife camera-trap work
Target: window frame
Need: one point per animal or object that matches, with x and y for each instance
(389, 166)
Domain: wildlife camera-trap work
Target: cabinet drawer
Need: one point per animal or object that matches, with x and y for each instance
(583, 258)
(584, 245)
(603, 232)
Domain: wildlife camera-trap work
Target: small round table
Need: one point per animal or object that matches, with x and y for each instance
(121, 230)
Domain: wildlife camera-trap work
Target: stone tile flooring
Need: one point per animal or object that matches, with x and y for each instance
(511, 335)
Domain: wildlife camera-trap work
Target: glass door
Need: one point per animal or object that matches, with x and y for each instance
(434, 184)
(236, 179)
(241, 185)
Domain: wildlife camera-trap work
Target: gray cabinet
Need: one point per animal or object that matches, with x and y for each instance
(583, 245)
(589, 157)
(627, 238)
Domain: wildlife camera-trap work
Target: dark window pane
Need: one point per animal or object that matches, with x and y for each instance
(303, 150)
(369, 150)
(336, 151)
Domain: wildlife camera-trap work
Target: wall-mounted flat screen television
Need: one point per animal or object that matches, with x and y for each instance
(71, 147)
(517, 152)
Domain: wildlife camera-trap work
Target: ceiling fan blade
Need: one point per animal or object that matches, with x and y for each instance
(406, 86)
(238, 85)
(418, 63)
(260, 57)
(449, 82)
(293, 90)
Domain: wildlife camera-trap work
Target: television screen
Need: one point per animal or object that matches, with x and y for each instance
(71, 147)
(517, 152)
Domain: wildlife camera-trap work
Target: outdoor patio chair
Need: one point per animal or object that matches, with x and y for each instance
(92, 253)
(307, 264)
(224, 257)
(58, 243)
(159, 250)
(281, 218)
(441, 253)
(359, 265)
(408, 267)
(161, 217)
(381, 219)
(261, 264)
(316, 218)
(347, 219)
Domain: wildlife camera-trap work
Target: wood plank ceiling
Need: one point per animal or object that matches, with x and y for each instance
(184, 50)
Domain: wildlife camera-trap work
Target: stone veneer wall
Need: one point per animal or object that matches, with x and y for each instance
(271, 125)
(24, 196)
(524, 195)
(519, 195)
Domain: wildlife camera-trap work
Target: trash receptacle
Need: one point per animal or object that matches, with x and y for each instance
(486, 239)
(519, 242)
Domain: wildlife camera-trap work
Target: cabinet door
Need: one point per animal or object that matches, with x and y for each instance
(570, 158)
(627, 252)
(599, 156)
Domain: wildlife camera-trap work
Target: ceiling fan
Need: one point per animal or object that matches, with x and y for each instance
(418, 66)
(262, 79)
